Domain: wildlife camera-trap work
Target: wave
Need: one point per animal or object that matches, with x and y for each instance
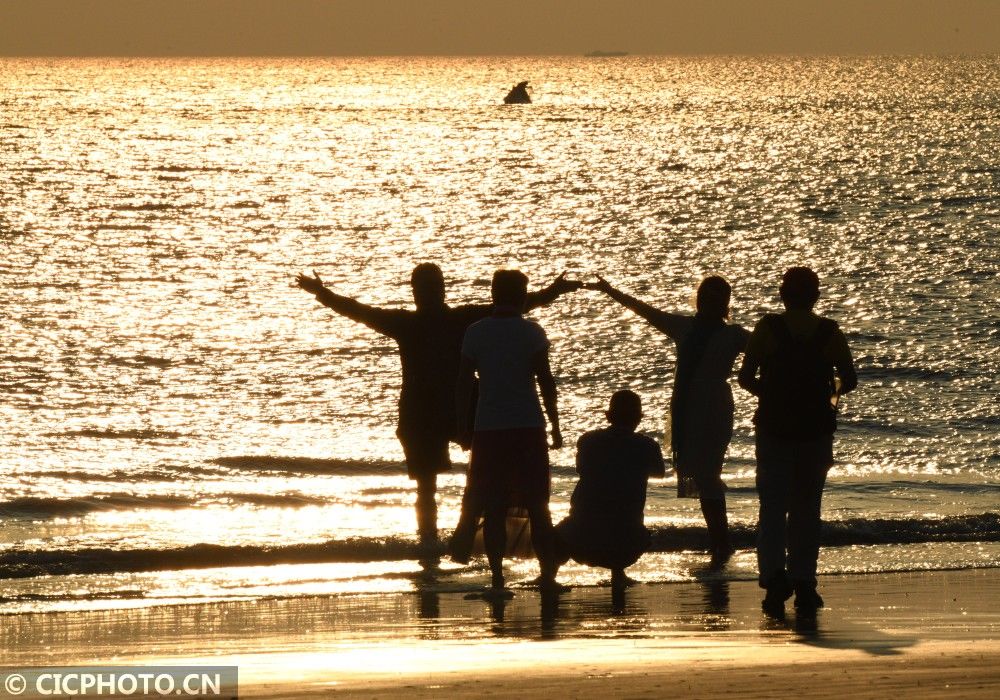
(821, 213)
(113, 434)
(984, 527)
(37, 508)
(45, 508)
(124, 227)
(965, 528)
(28, 564)
(870, 426)
(276, 500)
(857, 337)
(141, 361)
(965, 201)
(975, 422)
(337, 467)
(907, 372)
(313, 465)
(119, 476)
(62, 597)
(152, 206)
(187, 169)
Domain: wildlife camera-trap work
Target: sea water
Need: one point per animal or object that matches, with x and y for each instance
(181, 423)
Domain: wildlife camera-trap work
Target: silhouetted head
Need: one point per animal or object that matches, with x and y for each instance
(799, 288)
(509, 288)
(625, 409)
(712, 300)
(428, 286)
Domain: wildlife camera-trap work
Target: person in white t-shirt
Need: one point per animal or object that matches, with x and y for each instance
(509, 465)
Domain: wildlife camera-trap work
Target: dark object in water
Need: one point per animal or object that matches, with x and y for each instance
(518, 95)
(467, 541)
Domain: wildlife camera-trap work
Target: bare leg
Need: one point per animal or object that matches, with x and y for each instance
(426, 505)
(495, 541)
(714, 510)
(543, 540)
(560, 552)
(619, 579)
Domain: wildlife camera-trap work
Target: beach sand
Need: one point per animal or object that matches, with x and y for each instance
(926, 634)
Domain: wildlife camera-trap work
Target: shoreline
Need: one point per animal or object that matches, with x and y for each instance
(80, 593)
(914, 631)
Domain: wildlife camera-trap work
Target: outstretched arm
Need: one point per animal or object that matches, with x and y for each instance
(547, 385)
(663, 321)
(380, 320)
(559, 286)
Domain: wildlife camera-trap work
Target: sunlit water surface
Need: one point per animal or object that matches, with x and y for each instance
(170, 397)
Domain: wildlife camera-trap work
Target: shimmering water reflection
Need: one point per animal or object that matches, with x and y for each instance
(165, 386)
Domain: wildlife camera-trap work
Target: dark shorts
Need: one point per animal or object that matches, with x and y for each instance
(426, 455)
(509, 468)
(594, 543)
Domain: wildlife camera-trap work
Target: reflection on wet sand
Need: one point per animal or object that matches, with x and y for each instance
(832, 631)
(879, 615)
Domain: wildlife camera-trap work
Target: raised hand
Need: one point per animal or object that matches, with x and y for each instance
(313, 285)
(562, 285)
(601, 285)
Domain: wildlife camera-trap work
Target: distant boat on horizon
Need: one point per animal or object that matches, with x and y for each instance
(605, 54)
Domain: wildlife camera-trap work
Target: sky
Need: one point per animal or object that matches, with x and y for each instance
(495, 27)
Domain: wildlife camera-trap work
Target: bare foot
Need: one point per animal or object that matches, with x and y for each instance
(721, 556)
(547, 583)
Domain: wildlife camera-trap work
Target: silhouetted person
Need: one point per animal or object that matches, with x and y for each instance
(518, 95)
(509, 465)
(701, 406)
(800, 358)
(429, 340)
(605, 523)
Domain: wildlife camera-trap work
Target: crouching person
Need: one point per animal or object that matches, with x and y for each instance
(605, 523)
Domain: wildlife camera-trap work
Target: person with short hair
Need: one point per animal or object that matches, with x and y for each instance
(797, 364)
(429, 340)
(605, 524)
(701, 404)
(509, 463)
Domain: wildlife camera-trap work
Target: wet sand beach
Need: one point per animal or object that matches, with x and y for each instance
(925, 634)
